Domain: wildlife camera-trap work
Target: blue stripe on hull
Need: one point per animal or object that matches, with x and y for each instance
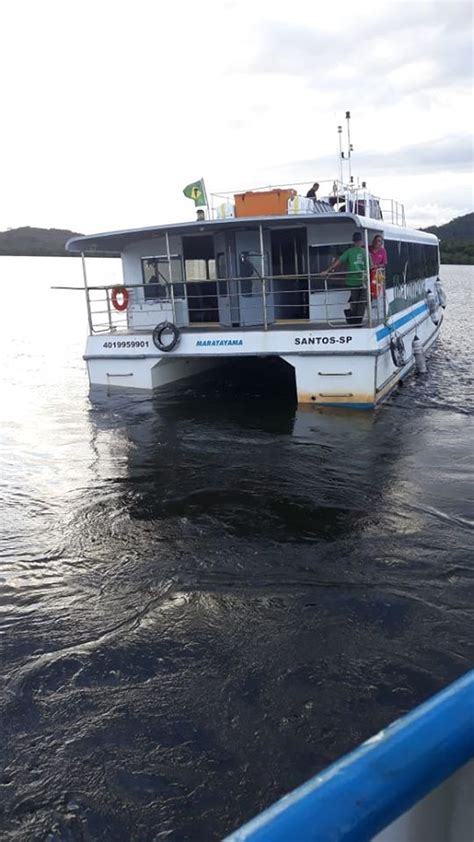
(402, 373)
(386, 331)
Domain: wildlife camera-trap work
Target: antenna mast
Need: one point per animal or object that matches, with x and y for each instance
(350, 148)
(345, 156)
(341, 155)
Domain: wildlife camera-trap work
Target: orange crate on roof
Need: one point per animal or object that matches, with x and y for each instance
(262, 203)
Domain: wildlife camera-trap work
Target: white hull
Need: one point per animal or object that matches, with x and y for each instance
(338, 367)
(445, 815)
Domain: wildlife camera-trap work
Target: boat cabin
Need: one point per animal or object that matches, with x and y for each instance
(261, 261)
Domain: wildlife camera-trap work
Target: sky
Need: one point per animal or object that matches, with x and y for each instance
(108, 109)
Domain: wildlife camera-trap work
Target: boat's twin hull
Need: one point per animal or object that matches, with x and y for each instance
(345, 367)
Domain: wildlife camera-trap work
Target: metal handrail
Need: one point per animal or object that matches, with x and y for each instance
(270, 294)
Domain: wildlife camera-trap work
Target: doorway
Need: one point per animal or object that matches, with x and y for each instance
(200, 275)
(289, 263)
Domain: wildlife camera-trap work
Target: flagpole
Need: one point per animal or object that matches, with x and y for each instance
(207, 200)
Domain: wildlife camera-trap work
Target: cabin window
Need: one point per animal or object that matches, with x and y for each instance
(431, 259)
(416, 262)
(375, 211)
(156, 277)
(250, 283)
(200, 269)
(410, 262)
(397, 263)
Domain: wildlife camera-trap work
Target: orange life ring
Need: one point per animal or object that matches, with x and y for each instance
(123, 293)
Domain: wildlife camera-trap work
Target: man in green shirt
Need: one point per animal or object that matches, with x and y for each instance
(354, 259)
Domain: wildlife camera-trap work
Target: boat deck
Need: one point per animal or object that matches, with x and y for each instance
(213, 327)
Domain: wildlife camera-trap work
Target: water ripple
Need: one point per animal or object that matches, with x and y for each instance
(208, 595)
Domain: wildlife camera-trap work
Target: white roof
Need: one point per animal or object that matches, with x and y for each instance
(112, 242)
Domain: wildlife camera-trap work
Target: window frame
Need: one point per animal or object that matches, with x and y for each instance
(161, 283)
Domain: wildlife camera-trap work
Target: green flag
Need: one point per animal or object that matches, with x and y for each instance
(197, 192)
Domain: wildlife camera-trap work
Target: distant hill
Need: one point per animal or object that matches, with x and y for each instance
(38, 242)
(457, 239)
(35, 241)
(460, 229)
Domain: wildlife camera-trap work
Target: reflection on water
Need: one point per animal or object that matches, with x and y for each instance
(208, 595)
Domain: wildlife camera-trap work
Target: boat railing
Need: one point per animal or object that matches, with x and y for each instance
(339, 198)
(355, 198)
(359, 201)
(411, 781)
(264, 302)
(103, 316)
(392, 211)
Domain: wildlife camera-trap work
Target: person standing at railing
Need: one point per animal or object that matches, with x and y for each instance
(354, 260)
(378, 255)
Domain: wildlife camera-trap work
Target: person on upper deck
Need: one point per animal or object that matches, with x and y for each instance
(378, 255)
(311, 194)
(354, 259)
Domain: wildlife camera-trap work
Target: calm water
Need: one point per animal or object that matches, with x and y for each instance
(203, 602)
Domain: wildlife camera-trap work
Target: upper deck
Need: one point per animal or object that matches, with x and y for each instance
(289, 200)
(263, 258)
(272, 207)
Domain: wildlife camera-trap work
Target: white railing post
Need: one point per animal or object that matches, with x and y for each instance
(309, 291)
(168, 252)
(262, 272)
(86, 288)
(326, 298)
(367, 264)
(384, 295)
(109, 311)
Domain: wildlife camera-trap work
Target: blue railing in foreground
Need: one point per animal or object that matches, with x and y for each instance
(355, 798)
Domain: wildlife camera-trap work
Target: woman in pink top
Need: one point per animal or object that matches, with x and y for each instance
(378, 255)
(378, 262)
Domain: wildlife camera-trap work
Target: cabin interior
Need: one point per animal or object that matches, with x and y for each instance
(212, 274)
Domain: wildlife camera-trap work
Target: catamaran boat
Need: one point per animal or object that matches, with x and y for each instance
(252, 280)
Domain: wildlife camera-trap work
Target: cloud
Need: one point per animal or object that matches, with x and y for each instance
(447, 154)
(389, 52)
(105, 126)
(421, 216)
